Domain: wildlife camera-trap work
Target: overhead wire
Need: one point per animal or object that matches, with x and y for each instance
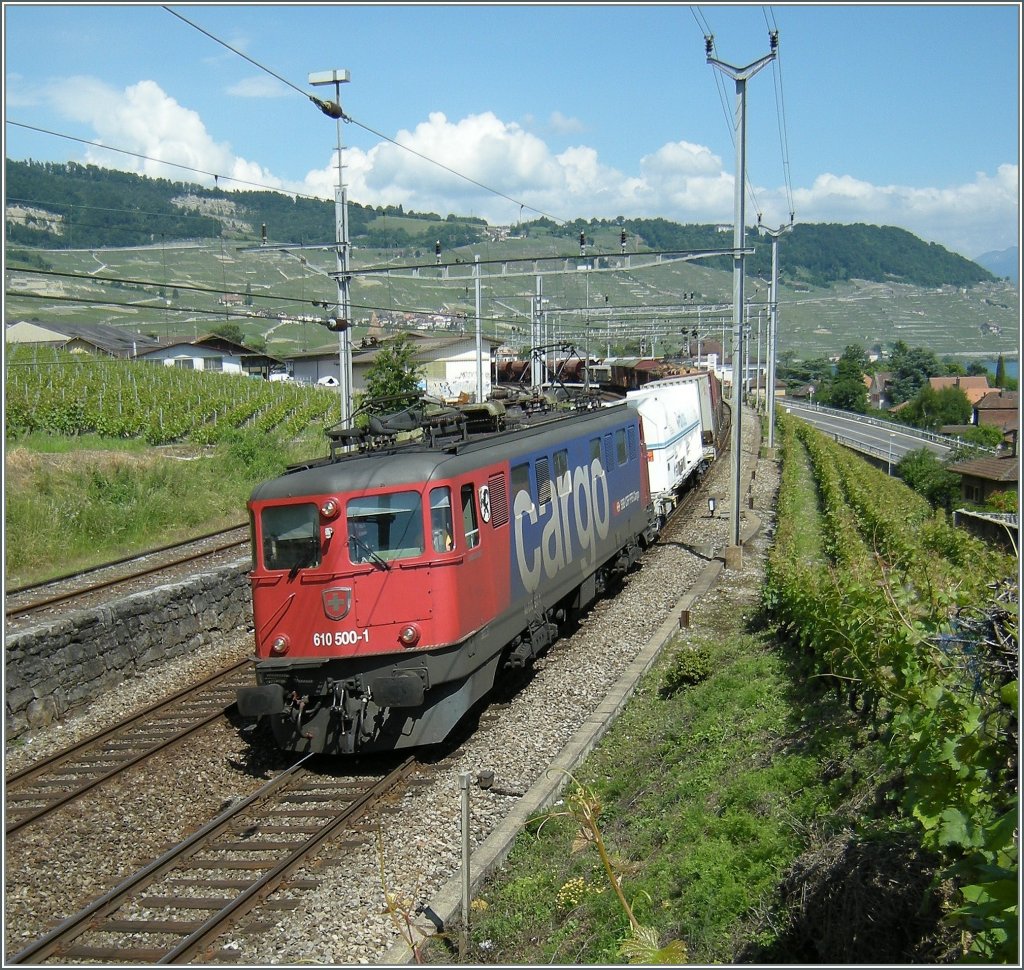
(705, 26)
(674, 308)
(218, 176)
(329, 107)
(780, 109)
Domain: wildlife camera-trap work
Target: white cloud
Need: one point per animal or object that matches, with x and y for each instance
(501, 164)
(970, 219)
(564, 125)
(259, 86)
(146, 122)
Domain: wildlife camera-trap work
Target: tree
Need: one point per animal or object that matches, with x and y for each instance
(926, 474)
(230, 331)
(932, 409)
(911, 369)
(848, 390)
(1001, 371)
(394, 380)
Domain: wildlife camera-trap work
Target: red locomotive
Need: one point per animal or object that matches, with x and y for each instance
(392, 585)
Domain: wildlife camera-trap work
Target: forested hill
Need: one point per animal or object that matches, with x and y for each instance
(69, 205)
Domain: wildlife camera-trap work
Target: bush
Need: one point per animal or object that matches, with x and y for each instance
(689, 666)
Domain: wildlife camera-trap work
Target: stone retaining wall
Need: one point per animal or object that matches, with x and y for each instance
(62, 666)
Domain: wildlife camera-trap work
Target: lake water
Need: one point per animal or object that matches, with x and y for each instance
(1012, 366)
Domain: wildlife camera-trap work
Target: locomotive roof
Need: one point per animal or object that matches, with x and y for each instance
(418, 461)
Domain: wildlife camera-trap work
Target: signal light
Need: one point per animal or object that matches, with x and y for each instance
(279, 646)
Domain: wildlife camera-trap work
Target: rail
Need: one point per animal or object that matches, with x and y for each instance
(195, 936)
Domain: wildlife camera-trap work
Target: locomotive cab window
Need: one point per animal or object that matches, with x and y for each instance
(441, 530)
(385, 527)
(291, 536)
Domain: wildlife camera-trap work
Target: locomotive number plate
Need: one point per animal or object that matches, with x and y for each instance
(341, 638)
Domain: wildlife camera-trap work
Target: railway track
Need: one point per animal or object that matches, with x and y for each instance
(174, 909)
(107, 580)
(47, 785)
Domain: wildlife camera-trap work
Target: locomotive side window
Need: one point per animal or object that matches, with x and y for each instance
(621, 451)
(521, 485)
(291, 536)
(441, 531)
(469, 523)
(595, 449)
(385, 527)
(563, 480)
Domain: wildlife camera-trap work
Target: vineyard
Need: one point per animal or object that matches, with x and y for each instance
(915, 624)
(58, 393)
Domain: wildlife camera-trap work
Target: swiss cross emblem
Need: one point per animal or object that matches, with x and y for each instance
(337, 602)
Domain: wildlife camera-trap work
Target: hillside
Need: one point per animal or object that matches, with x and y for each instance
(1004, 263)
(173, 260)
(70, 205)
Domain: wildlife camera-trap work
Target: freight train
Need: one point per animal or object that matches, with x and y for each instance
(683, 425)
(433, 553)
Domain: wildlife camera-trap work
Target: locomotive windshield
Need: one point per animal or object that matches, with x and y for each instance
(385, 527)
(291, 536)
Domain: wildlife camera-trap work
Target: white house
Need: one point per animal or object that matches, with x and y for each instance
(448, 363)
(210, 353)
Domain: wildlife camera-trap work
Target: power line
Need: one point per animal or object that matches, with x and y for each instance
(216, 176)
(333, 110)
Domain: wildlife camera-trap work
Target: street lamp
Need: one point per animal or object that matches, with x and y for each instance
(343, 324)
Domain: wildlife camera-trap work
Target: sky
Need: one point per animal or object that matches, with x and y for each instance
(902, 115)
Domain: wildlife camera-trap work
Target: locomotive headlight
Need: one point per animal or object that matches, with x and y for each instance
(279, 646)
(330, 508)
(409, 635)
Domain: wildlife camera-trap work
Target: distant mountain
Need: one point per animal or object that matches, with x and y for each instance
(58, 206)
(1003, 262)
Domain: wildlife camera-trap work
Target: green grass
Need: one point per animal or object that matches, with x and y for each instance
(708, 795)
(74, 503)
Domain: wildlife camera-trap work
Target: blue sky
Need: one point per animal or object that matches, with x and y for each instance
(902, 115)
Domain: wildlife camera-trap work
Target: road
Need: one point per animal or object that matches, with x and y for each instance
(884, 440)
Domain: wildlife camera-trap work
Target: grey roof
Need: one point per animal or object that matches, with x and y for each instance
(113, 340)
